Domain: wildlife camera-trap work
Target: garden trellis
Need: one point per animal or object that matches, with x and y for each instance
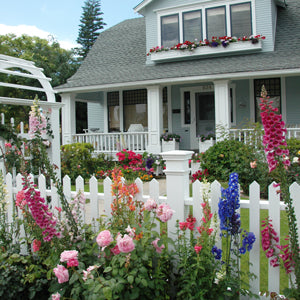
(177, 175)
(24, 68)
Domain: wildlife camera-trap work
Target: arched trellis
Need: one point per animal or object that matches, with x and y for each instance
(7, 63)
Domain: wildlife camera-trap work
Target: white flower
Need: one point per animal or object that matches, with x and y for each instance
(295, 160)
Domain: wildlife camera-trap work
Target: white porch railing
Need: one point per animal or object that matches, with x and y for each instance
(111, 143)
(251, 136)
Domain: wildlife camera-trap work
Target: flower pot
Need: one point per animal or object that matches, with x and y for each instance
(169, 145)
(205, 145)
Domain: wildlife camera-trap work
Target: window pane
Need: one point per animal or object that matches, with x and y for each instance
(192, 26)
(113, 111)
(273, 88)
(241, 20)
(187, 108)
(165, 108)
(135, 108)
(169, 31)
(216, 22)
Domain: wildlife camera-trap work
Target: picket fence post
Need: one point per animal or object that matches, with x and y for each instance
(177, 181)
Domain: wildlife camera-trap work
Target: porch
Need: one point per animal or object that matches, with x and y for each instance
(112, 143)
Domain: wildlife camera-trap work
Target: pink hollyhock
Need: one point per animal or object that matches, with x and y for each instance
(198, 248)
(70, 256)
(183, 225)
(36, 245)
(55, 296)
(61, 273)
(20, 199)
(164, 212)
(104, 238)
(155, 244)
(125, 244)
(150, 204)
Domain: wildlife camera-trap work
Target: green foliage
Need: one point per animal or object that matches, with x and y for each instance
(76, 159)
(226, 157)
(91, 22)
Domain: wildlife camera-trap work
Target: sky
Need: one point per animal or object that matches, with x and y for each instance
(59, 18)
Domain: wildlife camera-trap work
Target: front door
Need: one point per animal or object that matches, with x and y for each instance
(205, 113)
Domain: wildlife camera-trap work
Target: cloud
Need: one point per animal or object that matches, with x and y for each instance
(34, 31)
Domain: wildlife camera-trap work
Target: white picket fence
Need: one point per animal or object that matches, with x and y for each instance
(177, 196)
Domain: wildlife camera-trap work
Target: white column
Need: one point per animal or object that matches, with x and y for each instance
(177, 181)
(155, 111)
(68, 118)
(222, 107)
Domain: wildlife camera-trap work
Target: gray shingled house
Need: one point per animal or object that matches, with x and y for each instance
(187, 88)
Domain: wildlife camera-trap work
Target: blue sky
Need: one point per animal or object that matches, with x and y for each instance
(60, 18)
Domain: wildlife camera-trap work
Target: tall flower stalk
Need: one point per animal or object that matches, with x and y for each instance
(276, 151)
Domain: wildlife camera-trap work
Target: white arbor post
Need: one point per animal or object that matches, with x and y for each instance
(177, 180)
(68, 118)
(154, 118)
(222, 107)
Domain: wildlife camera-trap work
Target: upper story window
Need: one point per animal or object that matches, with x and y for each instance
(241, 21)
(215, 22)
(206, 21)
(192, 25)
(170, 30)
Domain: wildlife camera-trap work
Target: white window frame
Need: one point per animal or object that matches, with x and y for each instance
(202, 6)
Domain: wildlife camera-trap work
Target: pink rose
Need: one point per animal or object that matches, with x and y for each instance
(61, 273)
(56, 296)
(158, 249)
(115, 250)
(104, 238)
(150, 204)
(70, 256)
(164, 212)
(125, 244)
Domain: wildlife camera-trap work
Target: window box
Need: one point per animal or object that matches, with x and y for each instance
(235, 48)
(205, 145)
(169, 145)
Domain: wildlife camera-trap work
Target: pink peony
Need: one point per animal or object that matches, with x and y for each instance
(61, 273)
(158, 249)
(150, 204)
(125, 244)
(104, 238)
(164, 212)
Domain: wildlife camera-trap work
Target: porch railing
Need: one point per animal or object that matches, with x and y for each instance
(252, 136)
(111, 143)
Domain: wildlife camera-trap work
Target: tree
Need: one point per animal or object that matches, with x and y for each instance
(91, 23)
(58, 64)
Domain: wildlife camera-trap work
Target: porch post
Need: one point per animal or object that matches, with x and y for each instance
(68, 118)
(222, 108)
(154, 118)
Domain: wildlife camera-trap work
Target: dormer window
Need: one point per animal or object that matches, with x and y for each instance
(170, 30)
(241, 23)
(204, 21)
(192, 25)
(216, 22)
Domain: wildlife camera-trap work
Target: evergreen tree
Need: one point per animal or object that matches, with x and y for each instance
(91, 23)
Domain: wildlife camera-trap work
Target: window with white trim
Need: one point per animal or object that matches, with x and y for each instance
(203, 21)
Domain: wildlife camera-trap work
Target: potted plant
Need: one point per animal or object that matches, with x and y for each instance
(206, 141)
(170, 141)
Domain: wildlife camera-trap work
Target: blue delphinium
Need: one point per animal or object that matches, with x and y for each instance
(216, 252)
(248, 241)
(228, 204)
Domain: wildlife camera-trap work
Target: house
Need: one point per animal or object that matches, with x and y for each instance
(142, 78)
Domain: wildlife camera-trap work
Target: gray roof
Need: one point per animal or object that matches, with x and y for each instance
(119, 55)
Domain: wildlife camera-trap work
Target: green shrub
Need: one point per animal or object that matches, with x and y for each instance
(76, 159)
(294, 147)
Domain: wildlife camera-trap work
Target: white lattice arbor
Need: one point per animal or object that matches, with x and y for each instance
(23, 68)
